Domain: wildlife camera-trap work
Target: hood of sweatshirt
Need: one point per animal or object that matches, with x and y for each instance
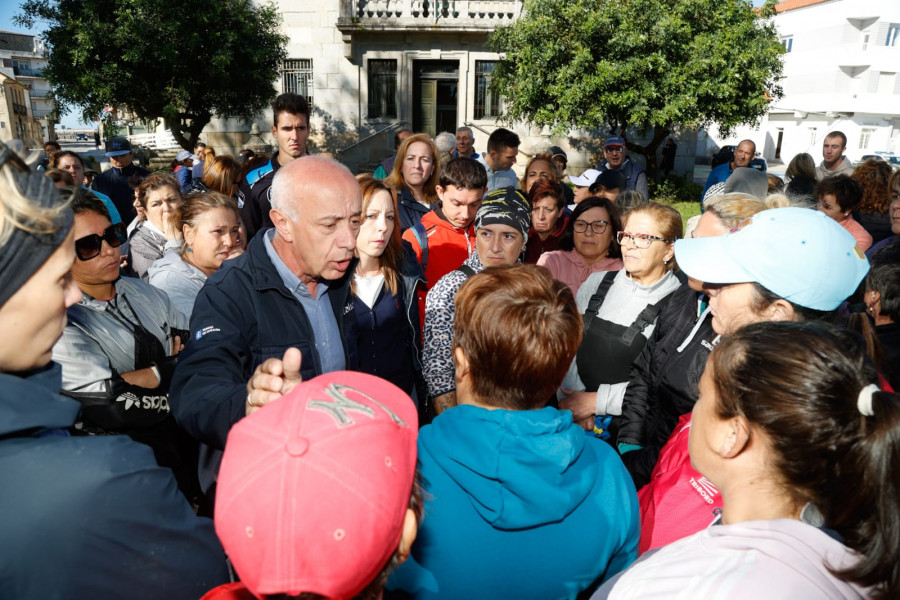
(521, 469)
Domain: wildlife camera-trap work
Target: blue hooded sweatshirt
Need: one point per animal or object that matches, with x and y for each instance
(519, 504)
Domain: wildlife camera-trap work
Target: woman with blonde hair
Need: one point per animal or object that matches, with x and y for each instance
(539, 166)
(82, 496)
(210, 225)
(384, 294)
(221, 174)
(416, 173)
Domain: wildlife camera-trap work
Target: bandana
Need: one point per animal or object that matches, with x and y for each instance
(25, 251)
(505, 206)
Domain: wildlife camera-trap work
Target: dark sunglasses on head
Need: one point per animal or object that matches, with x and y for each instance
(89, 246)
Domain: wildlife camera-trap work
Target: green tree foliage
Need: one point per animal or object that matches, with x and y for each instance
(161, 59)
(650, 65)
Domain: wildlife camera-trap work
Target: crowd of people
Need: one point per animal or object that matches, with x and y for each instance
(268, 377)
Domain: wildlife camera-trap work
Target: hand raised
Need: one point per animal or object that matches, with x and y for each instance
(273, 378)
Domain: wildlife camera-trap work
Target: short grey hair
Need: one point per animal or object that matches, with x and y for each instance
(445, 142)
(469, 129)
(283, 193)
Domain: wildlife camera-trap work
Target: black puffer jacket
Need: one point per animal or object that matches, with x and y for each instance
(663, 382)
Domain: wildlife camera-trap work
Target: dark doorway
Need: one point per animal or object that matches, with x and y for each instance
(435, 96)
(778, 143)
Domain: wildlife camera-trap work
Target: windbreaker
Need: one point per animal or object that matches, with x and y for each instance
(780, 559)
(180, 280)
(91, 517)
(519, 504)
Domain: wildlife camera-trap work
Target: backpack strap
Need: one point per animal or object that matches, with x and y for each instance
(422, 238)
(466, 270)
(647, 316)
(597, 299)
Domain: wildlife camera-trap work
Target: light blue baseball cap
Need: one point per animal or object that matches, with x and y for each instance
(801, 255)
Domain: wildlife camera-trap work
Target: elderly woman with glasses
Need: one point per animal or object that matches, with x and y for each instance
(620, 311)
(587, 244)
(118, 350)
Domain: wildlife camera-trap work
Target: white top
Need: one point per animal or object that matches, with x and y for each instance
(368, 288)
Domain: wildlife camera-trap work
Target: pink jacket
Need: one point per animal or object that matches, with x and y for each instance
(569, 268)
(862, 237)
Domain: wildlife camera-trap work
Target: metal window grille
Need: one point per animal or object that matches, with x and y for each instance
(487, 101)
(383, 89)
(297, 77)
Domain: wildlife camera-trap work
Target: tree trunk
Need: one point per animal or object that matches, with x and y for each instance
(649, 151)
(188, 135)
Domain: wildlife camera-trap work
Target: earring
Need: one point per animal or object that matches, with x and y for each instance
(666, 261)
(189, 249)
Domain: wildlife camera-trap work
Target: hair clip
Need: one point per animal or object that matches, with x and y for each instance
(864, 400)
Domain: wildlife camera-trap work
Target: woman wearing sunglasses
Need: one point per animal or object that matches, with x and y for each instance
(587, 244)
(620, 311)
(159, 197)
(85, 516)
(119, 348)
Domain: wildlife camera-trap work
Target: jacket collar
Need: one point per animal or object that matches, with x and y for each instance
(32, 401)
(265, 276)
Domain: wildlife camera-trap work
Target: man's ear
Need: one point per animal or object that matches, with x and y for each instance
(408, 536)
(282, 224)
(735, 435)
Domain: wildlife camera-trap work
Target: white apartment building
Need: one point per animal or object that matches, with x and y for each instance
(841, 71)
(22, 58)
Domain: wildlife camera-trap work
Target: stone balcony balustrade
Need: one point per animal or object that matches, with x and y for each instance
(405, 15)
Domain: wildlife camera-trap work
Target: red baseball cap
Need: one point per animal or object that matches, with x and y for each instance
(313, 488)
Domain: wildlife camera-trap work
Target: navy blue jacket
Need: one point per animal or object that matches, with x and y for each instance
(91, 517)
(410, 277)
(114, 183)
(411, 210)
(255, 196)
(244, 315)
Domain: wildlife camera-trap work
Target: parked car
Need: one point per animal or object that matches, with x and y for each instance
(81, 137)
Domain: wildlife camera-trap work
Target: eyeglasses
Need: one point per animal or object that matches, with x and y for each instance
(597, 227)
(89, 246)
(640, 240)
(614, 149)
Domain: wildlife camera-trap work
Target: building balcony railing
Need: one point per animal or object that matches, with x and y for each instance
(426, 14)
(23, 72)
(20, 109)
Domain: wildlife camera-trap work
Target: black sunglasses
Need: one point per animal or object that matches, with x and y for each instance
(89, 246)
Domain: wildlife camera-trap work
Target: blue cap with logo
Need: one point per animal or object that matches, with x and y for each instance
(614, 140)
(801, 255)
(117, 146)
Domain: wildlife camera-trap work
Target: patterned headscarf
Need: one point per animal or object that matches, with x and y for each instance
(505, 206)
